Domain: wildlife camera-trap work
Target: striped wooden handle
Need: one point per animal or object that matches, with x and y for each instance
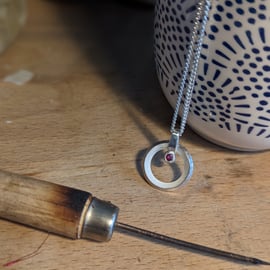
(43, 205)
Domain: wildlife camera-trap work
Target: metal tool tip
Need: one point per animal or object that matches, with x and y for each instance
(260, 262)
(192, 246)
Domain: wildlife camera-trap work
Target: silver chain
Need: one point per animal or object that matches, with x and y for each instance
(191, 65)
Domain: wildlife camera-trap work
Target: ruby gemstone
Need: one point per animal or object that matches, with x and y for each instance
(169, 157)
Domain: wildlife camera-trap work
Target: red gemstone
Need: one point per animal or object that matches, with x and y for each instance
(169, 157)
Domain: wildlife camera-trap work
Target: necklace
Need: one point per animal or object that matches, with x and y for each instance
(171, 149)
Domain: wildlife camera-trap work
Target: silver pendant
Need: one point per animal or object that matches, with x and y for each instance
(168, 165)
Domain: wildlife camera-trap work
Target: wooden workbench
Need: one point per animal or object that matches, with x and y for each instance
(85, 119)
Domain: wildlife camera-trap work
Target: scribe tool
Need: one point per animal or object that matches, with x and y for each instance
(77, 214)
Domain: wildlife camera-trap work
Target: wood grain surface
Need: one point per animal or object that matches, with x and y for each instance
(85, 119)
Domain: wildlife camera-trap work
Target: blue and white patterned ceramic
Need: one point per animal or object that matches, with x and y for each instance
(231, 100)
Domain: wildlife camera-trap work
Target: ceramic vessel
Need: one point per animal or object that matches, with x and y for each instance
(231, 100)
(12, 18)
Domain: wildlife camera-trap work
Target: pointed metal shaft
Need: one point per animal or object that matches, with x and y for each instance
(125, 228)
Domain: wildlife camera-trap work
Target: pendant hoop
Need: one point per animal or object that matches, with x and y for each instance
(180, 153)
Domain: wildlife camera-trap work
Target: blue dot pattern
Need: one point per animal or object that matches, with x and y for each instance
(232, 74)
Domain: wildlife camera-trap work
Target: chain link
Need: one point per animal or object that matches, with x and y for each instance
(191, 66)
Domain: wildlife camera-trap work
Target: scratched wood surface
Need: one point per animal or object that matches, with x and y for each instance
(85, 120)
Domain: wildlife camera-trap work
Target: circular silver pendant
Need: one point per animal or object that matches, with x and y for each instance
(165, 169)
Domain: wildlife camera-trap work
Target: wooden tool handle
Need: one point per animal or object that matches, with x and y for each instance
(43, 205)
